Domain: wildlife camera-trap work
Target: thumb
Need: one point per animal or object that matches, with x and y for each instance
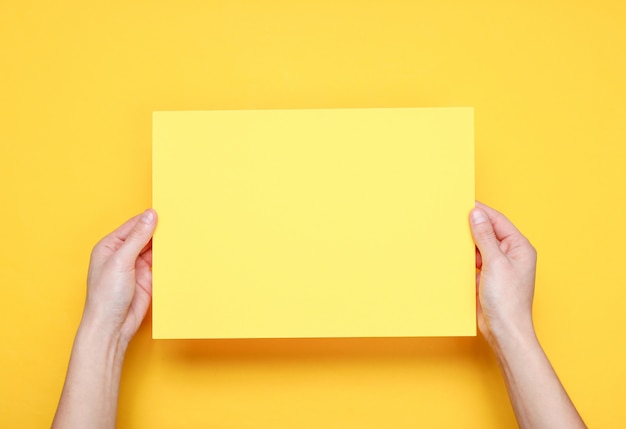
(138, 237)
(484, 234)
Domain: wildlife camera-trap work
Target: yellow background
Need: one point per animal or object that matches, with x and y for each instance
(78, 83)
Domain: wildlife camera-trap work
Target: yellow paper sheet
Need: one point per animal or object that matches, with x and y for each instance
(313, 223)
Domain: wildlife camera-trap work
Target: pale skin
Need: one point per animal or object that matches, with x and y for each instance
(505, 283)
(119, 290)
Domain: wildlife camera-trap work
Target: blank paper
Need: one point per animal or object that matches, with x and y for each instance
(313, 223)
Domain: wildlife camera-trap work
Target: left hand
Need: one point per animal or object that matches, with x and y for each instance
(119, 283)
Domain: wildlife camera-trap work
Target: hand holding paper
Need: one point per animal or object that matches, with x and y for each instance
(506, 281)
(120, 278)
(506, 288)
(119, 287)
(120, 264)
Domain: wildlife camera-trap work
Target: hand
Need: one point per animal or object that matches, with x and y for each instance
(119, 283)
(119, 290)
(505, 280)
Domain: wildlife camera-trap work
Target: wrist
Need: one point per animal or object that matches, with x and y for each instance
(510, 338)
(100, 337)
(91, 387)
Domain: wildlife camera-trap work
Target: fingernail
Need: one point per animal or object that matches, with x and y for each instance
(147, 217)
(478, 216)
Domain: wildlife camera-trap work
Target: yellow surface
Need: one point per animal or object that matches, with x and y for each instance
(313, 223)
(79, 81)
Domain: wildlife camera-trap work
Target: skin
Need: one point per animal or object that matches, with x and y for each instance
(505, 281)
(119, 290)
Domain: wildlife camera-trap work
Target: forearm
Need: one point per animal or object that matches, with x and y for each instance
(537, 396)
(90, 394)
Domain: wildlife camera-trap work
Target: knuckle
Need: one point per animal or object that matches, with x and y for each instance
(527, 250)
(529, 247)
(486, 233)
(136, 233)
(533, 252)
(96, 249)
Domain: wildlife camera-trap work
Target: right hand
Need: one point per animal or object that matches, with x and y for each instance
(505, 278)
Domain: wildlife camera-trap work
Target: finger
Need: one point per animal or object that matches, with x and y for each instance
(147, 247)
(502, 226)
(137, 238)
(147, 257)
(114, 239)
(143, 276)
(484, 234)
(479, 260)
(123, 230)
